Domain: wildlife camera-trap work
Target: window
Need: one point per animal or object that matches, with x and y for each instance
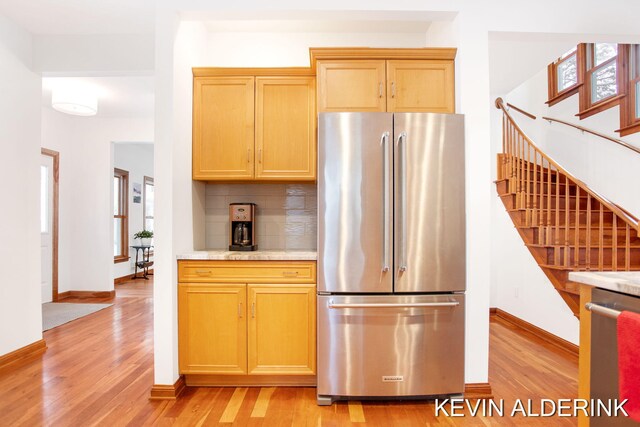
(605, 75)
(603, 79)
(147, 200)
(120, 215)
(564, 75)
(601, 91)
(630, 105)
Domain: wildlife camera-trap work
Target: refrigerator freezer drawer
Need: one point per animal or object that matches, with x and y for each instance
(390, 345)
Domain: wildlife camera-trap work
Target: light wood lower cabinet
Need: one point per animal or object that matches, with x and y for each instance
(212, 328)
(282, 329)
(246, 330)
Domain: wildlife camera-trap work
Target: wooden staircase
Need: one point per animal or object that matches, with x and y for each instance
(565, 225)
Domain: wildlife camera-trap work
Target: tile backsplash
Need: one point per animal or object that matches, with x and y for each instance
(286, 214)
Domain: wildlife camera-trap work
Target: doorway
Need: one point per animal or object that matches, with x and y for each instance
(49, 205)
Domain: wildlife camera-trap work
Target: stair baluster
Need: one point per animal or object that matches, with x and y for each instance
(601, 241)
(588, 252)
(576, 252)
(527, 183)
(614, 243)
(548, 232)
(627, 251)
(567, 220)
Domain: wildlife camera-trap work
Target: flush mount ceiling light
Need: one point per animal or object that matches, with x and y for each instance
(79, 101)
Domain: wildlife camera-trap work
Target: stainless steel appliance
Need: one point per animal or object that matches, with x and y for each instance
(391, 255)
(243, 225)
(605, 307)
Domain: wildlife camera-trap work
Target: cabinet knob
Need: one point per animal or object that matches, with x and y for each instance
(253, 310)
(289, 273)
(380, 89)
(203, 271)
(240, 310)
(393, 89)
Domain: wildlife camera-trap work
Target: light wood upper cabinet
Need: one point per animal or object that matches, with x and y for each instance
(212, 329)
(285, 128)
(422, 86)
(282, 329)
(223, 128)
(351, 85)
(393, 85)
(253, 126)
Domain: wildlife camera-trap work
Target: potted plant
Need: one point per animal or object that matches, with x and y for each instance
(145, 237)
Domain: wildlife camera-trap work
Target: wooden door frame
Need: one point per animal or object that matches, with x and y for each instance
(55, 228)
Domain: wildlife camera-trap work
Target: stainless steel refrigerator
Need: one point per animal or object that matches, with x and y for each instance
(391, 255)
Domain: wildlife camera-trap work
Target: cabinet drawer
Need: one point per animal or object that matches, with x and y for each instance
(247, 271)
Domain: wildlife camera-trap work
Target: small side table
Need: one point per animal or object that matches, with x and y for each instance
(142, 262)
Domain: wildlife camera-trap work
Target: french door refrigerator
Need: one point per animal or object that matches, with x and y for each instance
(391, 255)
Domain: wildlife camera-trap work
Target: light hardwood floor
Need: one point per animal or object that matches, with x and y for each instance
(99, 371)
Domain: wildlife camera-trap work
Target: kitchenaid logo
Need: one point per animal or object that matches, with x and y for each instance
(531, 408)
(392, 378)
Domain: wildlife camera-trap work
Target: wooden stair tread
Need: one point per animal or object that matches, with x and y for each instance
(553, 195)
(545, 210)
(572, 227)
(582, 268)
(582, 246)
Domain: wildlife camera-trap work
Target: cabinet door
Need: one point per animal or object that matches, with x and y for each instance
(223, 128)
(285, 128)
(356, 85)
(212, 329)
(420, 86)
(282, 329)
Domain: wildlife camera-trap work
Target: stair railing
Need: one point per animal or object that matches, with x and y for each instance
(592, 132)
(536, 181)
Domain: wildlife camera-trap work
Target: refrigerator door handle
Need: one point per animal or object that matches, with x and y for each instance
(331, 305)
(402, 176)
(384, 140)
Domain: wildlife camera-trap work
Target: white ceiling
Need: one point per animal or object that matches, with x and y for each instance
(82, 16)
(117, 96)
(77, 17)
(317, 26)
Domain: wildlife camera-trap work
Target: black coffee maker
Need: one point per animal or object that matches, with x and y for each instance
(243, 227)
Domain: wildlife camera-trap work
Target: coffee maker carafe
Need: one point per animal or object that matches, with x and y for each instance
(242, 230)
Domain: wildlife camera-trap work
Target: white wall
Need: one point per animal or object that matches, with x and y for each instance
(137, 159)
(94, 54)
(291, 49)
(85, 260)
(20, 306)
(519, 286)
(178, 199)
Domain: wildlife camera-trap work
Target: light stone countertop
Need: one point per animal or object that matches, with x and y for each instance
(250, 255)
(626, 282)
